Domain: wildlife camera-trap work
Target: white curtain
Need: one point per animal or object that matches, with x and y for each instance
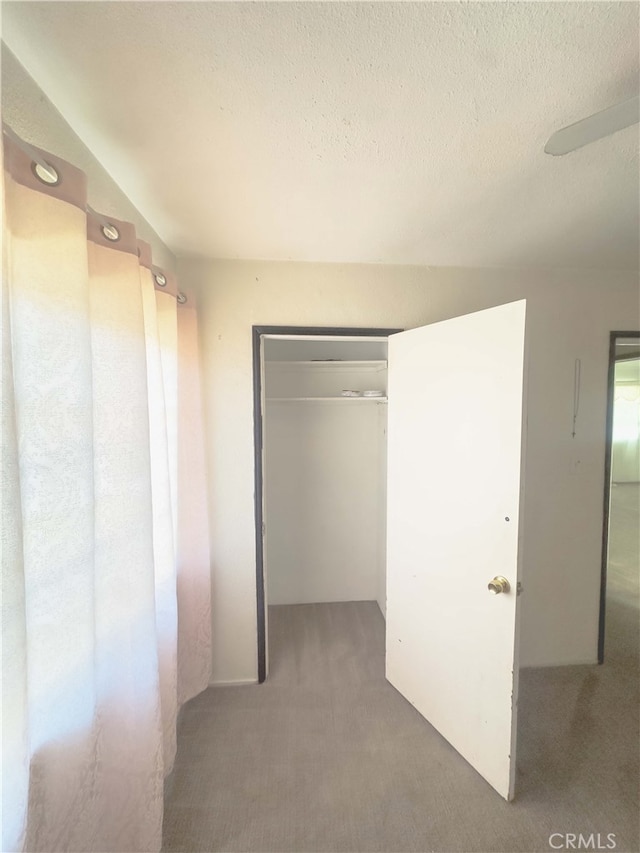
(105, 563)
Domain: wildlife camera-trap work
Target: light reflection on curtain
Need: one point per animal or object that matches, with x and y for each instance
(194, 605)
(93, 490)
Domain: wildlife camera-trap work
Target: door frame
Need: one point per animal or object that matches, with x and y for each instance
(613, 339)
(257, 335)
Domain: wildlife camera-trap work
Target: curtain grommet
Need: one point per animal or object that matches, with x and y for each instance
(181, 298)
(110, 232)
(46, 173)
(160, 279)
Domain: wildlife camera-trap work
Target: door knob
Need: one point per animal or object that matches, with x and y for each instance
(498, 585)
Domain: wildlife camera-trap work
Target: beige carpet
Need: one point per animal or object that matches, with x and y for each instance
(327, 756)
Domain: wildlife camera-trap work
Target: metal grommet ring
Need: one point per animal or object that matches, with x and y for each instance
(46, 173)
(181, 298)
(110, 232)
(160, 279)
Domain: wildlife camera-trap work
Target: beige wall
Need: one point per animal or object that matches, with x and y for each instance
(570, 315)
(27, 110)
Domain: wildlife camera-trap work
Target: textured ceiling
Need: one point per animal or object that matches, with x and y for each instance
(385, 132)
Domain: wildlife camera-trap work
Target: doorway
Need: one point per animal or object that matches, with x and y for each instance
(619, 579)
(451, 496)
(309, 369)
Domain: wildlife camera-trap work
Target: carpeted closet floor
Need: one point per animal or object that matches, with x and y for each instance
(327, 756)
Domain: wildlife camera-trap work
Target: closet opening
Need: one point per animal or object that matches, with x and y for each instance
(320, 468)
(359, 509)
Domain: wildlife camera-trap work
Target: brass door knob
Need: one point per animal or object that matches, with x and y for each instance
(498, 585)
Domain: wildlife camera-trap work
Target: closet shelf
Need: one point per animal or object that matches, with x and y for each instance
(326, 399)
(328, 364)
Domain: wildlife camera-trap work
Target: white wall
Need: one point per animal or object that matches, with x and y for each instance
(570, 314)
(322, 508)
(27, 110)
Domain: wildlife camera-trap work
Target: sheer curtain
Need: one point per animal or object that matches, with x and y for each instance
(105, 564)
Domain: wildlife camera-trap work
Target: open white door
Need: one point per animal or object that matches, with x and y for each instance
(454, 485)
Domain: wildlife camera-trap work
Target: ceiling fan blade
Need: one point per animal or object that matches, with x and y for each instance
(594, 127)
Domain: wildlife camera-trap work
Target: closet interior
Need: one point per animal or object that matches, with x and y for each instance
(324, 463)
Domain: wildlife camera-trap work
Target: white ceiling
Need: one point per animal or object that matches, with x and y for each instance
(407, 133)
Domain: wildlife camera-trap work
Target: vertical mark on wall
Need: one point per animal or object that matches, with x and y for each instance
(576, 394)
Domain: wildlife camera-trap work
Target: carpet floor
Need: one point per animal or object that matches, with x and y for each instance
(327, 756)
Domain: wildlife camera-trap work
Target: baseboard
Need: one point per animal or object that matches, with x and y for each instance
(551, 664)
(240, 682)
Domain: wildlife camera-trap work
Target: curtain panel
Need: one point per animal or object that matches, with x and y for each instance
(105, 561)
